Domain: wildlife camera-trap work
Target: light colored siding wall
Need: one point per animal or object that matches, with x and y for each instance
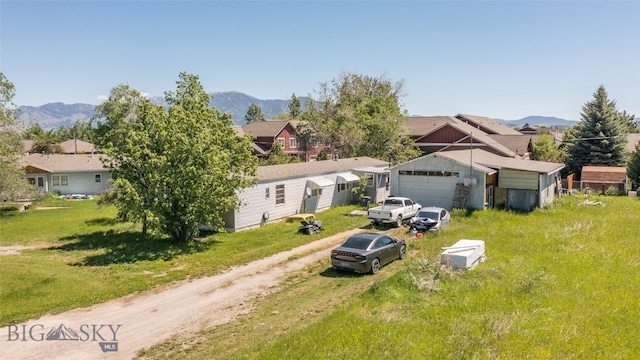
(254, 204)
(548, 189)
(81, 183)
(476, 195)
(518, 179)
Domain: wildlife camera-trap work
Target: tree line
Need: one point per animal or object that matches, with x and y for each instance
(179, 166)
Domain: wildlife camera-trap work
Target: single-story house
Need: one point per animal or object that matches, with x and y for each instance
(306, 187)
(476, 179)
(67, 174)
(600, 178)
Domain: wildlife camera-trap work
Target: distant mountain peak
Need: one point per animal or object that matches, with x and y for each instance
(535, 120)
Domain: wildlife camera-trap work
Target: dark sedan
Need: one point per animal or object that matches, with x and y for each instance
(367, 252)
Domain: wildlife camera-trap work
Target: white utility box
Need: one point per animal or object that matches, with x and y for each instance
(464, 254)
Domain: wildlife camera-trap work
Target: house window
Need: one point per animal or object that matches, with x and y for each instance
(369, 180)
(342, 187)
(60, 180)
(281, 141)
(266, 193)
(279, 194)
(316, 192)
(40, 181)
(293, 142)
(316, 144)
(31, 181)
(98, 178)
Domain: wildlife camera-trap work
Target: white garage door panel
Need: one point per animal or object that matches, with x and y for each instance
(428, 190)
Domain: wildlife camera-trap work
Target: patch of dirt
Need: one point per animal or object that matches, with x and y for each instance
(154, 316)
(14, 249)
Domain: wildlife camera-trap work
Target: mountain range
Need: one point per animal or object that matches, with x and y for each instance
(55, 115)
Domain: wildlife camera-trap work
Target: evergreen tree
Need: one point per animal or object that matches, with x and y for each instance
(254, 114)
(295, 108)
(633, 168)
(601, 137)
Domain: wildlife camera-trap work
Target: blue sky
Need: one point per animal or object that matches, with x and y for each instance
(503, 60)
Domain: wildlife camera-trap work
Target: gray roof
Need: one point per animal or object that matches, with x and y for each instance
(516, 143)
(313, 168)
(485, 159)
(488, 123)
(77, 146)
(56, 163)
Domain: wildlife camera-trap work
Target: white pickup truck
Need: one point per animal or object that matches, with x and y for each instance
(394, 210)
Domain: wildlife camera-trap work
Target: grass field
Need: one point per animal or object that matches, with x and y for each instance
(79, 247)
(558, 283)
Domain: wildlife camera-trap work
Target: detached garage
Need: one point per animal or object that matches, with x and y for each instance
(436, 179)
(476, 179)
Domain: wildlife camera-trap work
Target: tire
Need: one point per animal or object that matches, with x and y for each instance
(399, 221)
(403, 252)
(309, 231)
(375, 266)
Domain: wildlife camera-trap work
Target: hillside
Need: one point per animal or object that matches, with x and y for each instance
(546, 121)
(55, 115)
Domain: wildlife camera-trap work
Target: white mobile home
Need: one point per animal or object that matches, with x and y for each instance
(308, 187)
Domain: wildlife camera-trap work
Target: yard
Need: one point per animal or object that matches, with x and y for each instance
(558, 283)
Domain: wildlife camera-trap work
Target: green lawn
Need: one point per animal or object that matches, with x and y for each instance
(82, 249)
(560, 283)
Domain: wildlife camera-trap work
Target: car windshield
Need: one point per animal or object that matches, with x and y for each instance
(428, 215)
(357, 242)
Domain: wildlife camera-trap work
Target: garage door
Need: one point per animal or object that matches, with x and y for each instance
(428, 190)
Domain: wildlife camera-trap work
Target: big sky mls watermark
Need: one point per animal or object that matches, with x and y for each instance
(106, 335)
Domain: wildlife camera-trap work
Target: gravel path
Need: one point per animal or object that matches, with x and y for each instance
(138, 321)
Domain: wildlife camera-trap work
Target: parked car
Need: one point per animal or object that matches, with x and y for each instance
(367, 252)
(429, 218)
(394, 210)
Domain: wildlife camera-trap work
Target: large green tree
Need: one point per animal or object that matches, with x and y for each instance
(254, 113)
(360, 115)
(174, 168)
(545, 149)
(601, 137)
(12, 182)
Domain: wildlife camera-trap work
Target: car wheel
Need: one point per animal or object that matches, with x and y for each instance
(375, 266)
(399, 221)
(403, 252)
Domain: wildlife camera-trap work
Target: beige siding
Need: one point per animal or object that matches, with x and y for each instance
(518, 179)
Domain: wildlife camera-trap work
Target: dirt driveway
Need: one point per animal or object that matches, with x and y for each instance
(119, 328)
